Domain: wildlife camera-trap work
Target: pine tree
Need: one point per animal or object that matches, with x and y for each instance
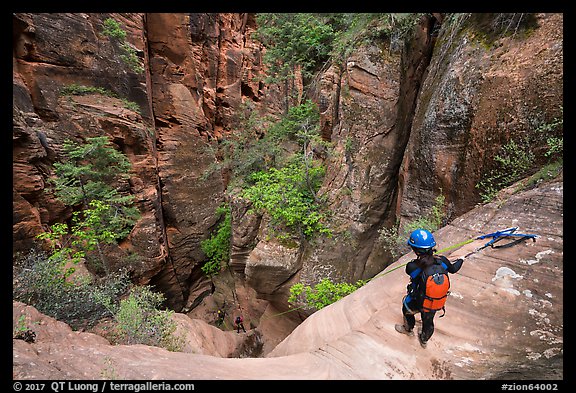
(88, 179)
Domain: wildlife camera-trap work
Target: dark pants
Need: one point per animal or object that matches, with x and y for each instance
(240, 326)
(409, 309)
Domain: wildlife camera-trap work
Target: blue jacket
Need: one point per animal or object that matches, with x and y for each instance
(414, 271)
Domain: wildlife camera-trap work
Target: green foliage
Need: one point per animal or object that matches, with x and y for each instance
(555, 146)
(322, 294)
(303, 118)
(90, 172)
(547, 172)
(46, 284)
(112, 29)
(140, 321)
(21, 326)
(62, 252)
(100, 223)
(22, 331)
(259, 144)
(309, 40)
(90, 228)
(249, 150)
(131, 105)
(519, 157)
(394, 239)
(279, 181)
(554, 142)
(326, 292)
(78, 90)
(512, 163)
(294, 39)
(85, 179)
(285, 196)
(217, 246)
(363, 28)
(130, 57)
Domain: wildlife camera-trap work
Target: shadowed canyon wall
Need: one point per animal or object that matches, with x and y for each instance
(407, 124)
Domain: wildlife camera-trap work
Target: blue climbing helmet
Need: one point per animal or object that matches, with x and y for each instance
(421, 240)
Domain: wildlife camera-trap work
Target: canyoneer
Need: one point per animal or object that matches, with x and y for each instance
(428, 287)
(239, 322)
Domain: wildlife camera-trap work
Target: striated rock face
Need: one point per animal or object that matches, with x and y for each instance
(505, 312)
(377, 94)
(198, 71)
(483, 89)
(410, 126)
(51, 53)
(204, 69)
(406, 126)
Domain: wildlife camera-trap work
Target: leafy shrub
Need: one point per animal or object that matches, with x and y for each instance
(363, 28)
(22, 331)
(512, 163)
(310, 40)
(217, 246)
(519, 158)
(279, 181)
(130, 58)
(394, 239)
(78, 90)
(140, 321)
(86, 179)
(284, 195)
(46, 284)
(554, 137)
(322, 294)
(294, 39)
(112, 29)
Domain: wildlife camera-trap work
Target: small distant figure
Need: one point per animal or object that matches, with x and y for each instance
(220, 314)
(239, 321)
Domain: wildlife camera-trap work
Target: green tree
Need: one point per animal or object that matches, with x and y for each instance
(294, 40)
(89, 171)
(309, 40)
(279, 172)
(285, 196)
(111, 28)
(87, 179)
(217, 246)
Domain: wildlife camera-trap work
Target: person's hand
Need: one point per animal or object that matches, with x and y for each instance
(456, 257)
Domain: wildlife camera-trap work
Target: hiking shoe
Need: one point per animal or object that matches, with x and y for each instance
(423, 344)
(402, 329)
